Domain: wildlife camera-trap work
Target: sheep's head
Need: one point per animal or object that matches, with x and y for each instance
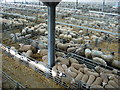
(21, 44)
(99, 49)
(113, 53)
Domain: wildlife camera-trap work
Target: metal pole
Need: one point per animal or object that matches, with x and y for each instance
(51, 36)
(76, 4)
(103, 5)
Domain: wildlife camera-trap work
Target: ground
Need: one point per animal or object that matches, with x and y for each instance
(26, 76)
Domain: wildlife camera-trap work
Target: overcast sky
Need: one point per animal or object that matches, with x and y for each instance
(68, 0)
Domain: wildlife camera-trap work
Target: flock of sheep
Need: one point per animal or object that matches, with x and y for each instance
(72, 42)
(13, 22)
(78, 42)
(73, 70)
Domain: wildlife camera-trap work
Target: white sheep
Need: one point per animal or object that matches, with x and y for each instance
(72, 60)
(71, 49)
(62, 60)
(45, 59)
(113, 83)
(116, 63)
(59, 54)
(62, 46)
(43, 52)
(108, 86)
(108, 58)
(96, 53)
(88, 53)
(28, 36)
(29, 53)
(85, 78)
(100, 60)
(60, 68)
(79, 76)
(73, 69)
(24, 32)
(98, 81)
(70, 73)
(77, 66)
(90, 79)
(104, 77)
(64, 67)
(54, 71)
(24, 48)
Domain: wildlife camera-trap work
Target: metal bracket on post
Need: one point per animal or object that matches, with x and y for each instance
(51, 30)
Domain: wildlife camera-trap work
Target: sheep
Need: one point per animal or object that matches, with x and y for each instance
(13, 51)
(45, 59)
(86, 37)
(46, 32)
(85, 78)
(116, 63)
(73, 69)
(59, 54)
(62, 60)
(43, 52)
(77, 66)
(69, 37)
(62, 46)
(113, 83)
(90, 79)
(28, 36)
(71, 49)
(78, 40)
(24, 48)
(79, 76)
(64, 67)
(30, 30)
(20, 38)
(91, 73)
(88, 53)
(42, 31)
(104, 77)
(81, 70)
(108, 87)
(81, 32)
(70, 73)
(60, 68)
(98, 81)
(29, 53)
(54, 71)
(80, 51)
(96, 53)
(100, 69)
(24, 32)
(97, 87)
(114, 78)
(18, 34)
(94, 37)
(61, 36)
(72, 60)
(12, 35)
(99, 60)
(108, 58)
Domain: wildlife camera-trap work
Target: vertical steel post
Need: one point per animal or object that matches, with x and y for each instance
(76, 4)
(103, 4)
(51, 36)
